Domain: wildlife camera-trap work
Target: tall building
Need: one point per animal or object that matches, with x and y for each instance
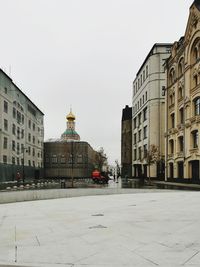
(68, 156)
(183, 103)
(126, 142)
(21, 133)
(148, 107)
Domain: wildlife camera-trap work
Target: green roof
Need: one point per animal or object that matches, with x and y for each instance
(70, 132)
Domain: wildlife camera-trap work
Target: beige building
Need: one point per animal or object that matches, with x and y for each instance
(148, 107)
(21, 133)
(183, 103)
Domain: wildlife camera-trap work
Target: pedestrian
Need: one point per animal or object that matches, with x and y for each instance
(18, 177)
(114, 177)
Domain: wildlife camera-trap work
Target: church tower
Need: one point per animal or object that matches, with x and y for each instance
(70, 134)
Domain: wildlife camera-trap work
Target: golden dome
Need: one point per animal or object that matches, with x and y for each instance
(70, 116)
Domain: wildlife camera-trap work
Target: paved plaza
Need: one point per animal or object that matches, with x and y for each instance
(160, 228)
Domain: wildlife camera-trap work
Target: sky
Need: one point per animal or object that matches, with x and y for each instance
(84, 54)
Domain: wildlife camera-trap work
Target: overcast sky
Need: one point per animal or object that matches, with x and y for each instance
(84, 53)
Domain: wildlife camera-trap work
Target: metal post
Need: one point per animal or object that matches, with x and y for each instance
(72, 153)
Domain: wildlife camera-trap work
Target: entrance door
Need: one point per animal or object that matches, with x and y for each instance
(195, 170)
(171, 170)
(180, 169)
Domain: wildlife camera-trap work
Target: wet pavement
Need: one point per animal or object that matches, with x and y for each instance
(158, 228)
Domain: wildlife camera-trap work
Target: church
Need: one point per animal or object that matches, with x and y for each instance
(68, 157)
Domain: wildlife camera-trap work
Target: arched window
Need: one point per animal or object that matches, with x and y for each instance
(171, 146)
(172, 76)
(195, 51)
(180, 92)
(180, 67)
(197, 106)
(195, 139)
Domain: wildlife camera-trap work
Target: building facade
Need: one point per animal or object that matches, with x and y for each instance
(21, 133)
(68, 157)
(126, 142)
(148, 112)
(183, 103)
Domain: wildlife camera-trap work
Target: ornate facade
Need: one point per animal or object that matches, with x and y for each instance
(183, 103)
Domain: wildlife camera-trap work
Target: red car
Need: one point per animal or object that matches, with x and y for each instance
(98, 178)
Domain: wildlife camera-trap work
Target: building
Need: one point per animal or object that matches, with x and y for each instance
(183, 103)
(21, 133)
(68, 157)
(148, 112)
(126, 142)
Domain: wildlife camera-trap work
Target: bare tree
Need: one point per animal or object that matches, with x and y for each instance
(151, 156)
(101, 158)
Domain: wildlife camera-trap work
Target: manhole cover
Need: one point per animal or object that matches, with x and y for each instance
(97, 227)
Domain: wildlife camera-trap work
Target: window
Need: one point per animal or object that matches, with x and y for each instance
(139, 153)
(4, 159)
(14, 129)
(135, 138)
(33, 139)
(172, 120)
(180, 67)
(13, 145)
(5, 90)
(143, 99)
(181, 143)
(18, 117)
(29, 163)
(29, 137)
(13, 160)
(195, 136)
(171, 145)
(145, 132)
(33, 152)
(29, 150)
(140, 102)
(143, 75)
(54, 159)
(5, 143)
(18, 133)
(181, 114)
(139, 135)
(17, 148)
(17, 161)
(145, 151)
(180, 93)
(14, 113)
(33, 126)
(22, 119)
(22, 133)
(145, 114)
(134, 123)
(195, 80)
(146, 96)
(139, 119)
(5, 125)
(147, 71)
(29, 124)
(79, 159)
(5, 107)
(197, 106)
